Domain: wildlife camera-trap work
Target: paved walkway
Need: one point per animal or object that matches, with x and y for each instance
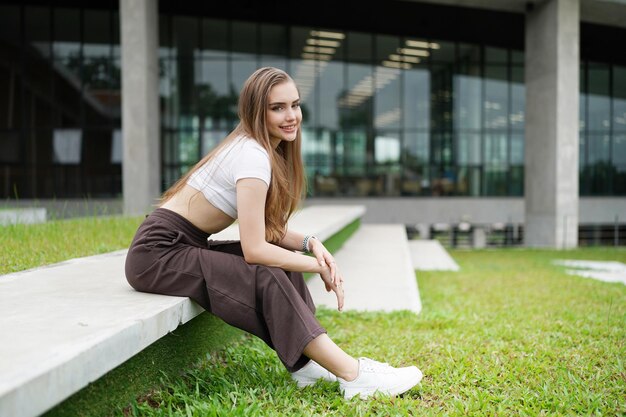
(377, 269)
(430, 255)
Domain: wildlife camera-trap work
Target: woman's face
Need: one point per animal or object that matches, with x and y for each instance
(283, 113)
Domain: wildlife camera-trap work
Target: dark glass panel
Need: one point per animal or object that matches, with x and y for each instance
(496, 56)
(186, 37)
(37, 32)
(97, 32)
(598, 98)
(274, 40)
(619, 98)
(11, 97)
(416, 151)
(360, 47)
(441, 52)
(66, 35)
(245, 40)
(10, 24)
(214, 38)
(355, 102)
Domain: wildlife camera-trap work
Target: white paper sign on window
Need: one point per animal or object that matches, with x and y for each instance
(67, 145)
(116, 147)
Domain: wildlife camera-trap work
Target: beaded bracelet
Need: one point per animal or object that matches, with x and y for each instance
(305, 243)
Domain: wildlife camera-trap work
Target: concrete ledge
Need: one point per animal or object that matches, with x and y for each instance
(22, 216)
(322, 221)
(69, 323)
(378, 273)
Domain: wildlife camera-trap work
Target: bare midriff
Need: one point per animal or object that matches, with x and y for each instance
(192, 205)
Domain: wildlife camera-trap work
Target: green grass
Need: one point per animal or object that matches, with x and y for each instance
(510, 334)
(29, 246)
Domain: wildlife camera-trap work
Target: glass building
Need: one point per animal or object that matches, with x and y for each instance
(410, 100)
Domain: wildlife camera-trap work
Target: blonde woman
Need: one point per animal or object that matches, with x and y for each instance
(255, 176)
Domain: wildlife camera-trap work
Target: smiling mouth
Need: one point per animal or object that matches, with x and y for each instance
(288, 128)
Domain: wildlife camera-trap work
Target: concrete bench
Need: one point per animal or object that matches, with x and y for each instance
(65, 325)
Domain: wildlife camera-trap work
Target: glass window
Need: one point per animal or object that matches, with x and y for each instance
(350, 152)
(467, 99)
(245, 40)
(518, 99)
(619, 151)
(496, 104)
(469, 54)
(496, 149)
(360, 47)
(355, 102)
(440, 52)
(10, 24)
(66, 34)
(185, 37)
(214, 42)
(496, 56)
(274, 40)
(619, 98)
(495, 181)
(388, 89)
(216, 102)
(598, 148)
(331, 84)
(317, 152)
(416, 96)
(517, 149)
(305, 74)
(468, 148)
(38, 33)
(468, 182)
(598, 98)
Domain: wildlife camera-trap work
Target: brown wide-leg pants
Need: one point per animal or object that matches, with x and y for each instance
(169, 255)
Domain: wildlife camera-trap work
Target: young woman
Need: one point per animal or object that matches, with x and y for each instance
(256, 176)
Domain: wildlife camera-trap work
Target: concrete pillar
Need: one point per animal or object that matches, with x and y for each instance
(551, 145)
(141, 173)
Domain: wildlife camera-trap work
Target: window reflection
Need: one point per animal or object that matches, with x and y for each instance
(383, 115)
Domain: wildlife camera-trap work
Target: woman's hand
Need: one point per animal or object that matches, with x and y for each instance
(325, 274)
(333, 279)
(325, 258)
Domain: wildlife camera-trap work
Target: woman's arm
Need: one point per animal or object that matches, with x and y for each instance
(251, 194)
(294, 240)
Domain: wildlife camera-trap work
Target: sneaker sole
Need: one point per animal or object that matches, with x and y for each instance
(308, 383)
(397, 390)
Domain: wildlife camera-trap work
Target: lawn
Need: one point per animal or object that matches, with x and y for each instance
(510, 334)
(25, 246)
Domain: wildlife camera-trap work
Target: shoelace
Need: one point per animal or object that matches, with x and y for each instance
(370, 365)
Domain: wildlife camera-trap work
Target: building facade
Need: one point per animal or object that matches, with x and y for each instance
(423, 111)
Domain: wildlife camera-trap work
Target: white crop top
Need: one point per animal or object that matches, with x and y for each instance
(217, 179)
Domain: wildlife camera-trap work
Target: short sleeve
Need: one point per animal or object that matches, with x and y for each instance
(252, 162)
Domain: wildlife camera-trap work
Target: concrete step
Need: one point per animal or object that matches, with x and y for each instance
(430, 255)
(67, 324)
(377, 269)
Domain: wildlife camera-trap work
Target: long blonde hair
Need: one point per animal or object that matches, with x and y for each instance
(288, 183)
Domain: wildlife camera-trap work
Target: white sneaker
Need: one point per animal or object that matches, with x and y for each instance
(310, 373)
(380, 377)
